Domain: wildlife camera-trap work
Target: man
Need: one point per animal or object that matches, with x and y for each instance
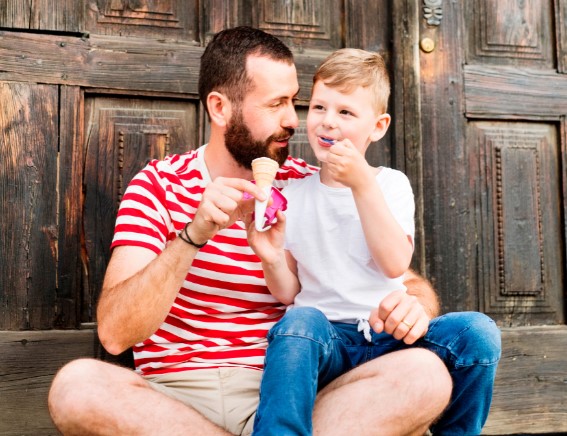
(187, 293)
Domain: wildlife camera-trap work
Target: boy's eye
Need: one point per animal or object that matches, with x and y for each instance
(317, 107)
(345, 112)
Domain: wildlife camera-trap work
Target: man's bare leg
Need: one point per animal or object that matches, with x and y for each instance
(90, 397)
(400, 393)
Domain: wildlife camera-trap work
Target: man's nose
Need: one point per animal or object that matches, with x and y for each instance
(291, 119)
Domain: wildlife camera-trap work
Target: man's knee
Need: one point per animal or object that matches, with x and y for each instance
(69, 385)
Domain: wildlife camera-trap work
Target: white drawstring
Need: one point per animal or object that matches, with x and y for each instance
(364, 327)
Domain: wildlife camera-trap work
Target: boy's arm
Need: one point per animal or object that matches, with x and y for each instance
(280, 268)
(389, 245)
(281, 278)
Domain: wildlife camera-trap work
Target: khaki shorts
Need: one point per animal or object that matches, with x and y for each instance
(226, 396)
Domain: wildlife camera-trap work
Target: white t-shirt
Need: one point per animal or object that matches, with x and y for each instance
(335, 268)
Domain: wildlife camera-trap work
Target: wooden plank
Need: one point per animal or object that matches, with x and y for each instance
(406, 113)
(44, 15)
(28, 363)
(28, 231)
(100, 61)
(529, 394)
(449, 233)
(512, 93)
(71, 204)
(528, 397)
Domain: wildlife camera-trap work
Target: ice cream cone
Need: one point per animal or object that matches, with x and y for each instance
(264, 170)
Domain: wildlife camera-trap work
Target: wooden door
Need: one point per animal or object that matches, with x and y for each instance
(493, 92)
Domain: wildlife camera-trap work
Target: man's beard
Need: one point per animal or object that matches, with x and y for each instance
(244, 148)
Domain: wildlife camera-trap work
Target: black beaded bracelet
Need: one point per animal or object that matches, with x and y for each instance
(187, 239)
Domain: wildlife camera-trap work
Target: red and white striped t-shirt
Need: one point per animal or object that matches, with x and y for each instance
(224, 310)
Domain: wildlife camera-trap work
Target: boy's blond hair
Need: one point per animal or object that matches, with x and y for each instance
(347, 68)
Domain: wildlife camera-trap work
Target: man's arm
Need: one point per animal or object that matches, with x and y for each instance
(140, 286)
(138, 291)
(421, 287)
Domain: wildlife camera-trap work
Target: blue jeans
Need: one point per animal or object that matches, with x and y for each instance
(306, 352)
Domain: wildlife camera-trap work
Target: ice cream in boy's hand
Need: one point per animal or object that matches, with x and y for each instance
(264, 171)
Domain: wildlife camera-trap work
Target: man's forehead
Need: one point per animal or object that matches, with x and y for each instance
(268, 72)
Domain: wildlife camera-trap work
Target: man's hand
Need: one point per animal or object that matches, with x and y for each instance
(402, 316)
(223, 204)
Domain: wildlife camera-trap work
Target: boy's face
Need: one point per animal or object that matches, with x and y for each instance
(337, 115)
(264, 122)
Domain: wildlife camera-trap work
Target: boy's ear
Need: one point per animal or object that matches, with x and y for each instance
(381, 127)
(220, 109)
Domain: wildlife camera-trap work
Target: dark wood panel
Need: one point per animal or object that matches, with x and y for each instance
(515, 94)
(100, 61)
(122, 136)
(517, 193)
(301, 24)
(529, 394)
(72, 258)
(28, 363)
(42, 15)
(368, 25)
(449, 235)
(29, 227)
(406, 113)
(561, 28)
(167, 19)
(505, 32)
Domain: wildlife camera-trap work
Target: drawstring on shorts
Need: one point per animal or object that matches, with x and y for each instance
(364, 327)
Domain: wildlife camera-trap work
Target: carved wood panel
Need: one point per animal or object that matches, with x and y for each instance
(122, 136)
(510, 32)
(171, 19)
(518, 193)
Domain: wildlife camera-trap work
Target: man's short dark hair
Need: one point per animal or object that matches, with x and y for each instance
(223, 63)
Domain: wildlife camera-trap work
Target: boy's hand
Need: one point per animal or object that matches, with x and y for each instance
(268, 245)
(402, 316)
(348, 166)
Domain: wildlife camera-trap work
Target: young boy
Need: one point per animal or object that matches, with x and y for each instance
(348, 242)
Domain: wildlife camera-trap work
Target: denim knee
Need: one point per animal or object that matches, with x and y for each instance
(306, 322)
(472, 338)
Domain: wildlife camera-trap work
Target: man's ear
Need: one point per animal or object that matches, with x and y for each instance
(220, 109)
(381, 127)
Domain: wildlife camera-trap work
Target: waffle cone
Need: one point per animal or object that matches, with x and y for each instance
(264, 170)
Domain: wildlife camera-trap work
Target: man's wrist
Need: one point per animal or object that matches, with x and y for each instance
(184, 235)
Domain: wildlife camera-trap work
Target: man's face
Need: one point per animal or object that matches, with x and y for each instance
(244, 148)
(263, 123)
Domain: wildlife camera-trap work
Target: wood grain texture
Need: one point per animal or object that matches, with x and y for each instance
(100, 61)
(28, 363)
(42, 15)
(29, 227)
(529, 394)
(503, 92)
